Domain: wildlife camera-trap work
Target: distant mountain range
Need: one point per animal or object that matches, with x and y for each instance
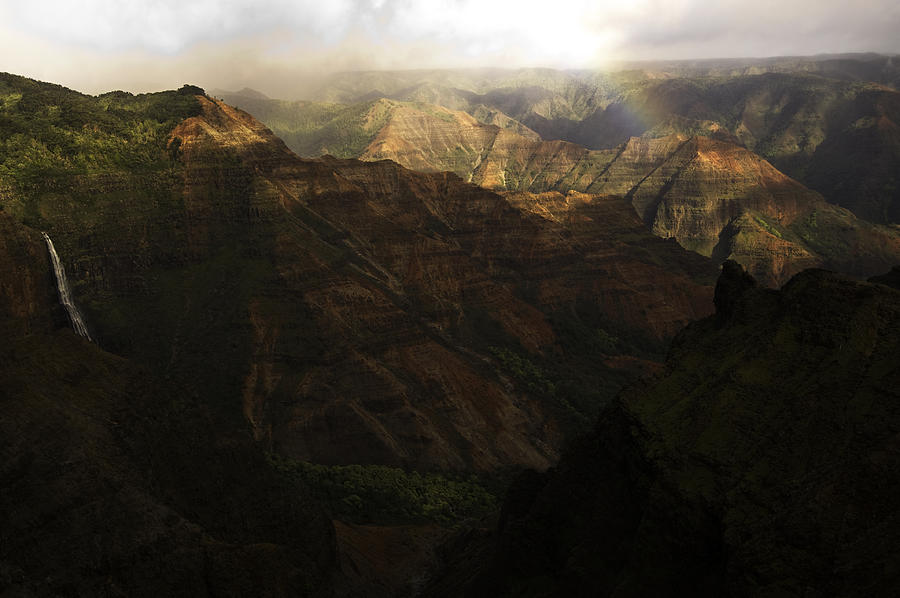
(829, 121)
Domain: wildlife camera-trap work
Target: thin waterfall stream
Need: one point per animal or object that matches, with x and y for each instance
(65, 294)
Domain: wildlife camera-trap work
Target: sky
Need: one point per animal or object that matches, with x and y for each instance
(278, 45)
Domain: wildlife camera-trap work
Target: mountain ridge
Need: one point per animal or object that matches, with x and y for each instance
(783, 108)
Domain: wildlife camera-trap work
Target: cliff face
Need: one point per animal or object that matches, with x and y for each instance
(855, 166)
(245, 301)
(762, 461)
(339, 311)
(432, 138)
(638, 276)
(829, 122)
(28, 302)
(722, 200)
(248, 301)
(92, 503)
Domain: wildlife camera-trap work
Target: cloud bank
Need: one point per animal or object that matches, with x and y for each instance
(96, 45)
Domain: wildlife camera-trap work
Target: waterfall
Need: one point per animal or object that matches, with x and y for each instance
(65, 295)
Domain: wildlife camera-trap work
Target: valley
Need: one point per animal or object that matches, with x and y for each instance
(507, 332)
(332, 311)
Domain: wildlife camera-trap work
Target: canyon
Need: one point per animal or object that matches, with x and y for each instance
(396, 340)
(248, 304)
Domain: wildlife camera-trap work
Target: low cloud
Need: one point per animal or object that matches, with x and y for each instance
(277, 45)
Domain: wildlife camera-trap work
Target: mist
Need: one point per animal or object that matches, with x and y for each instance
(282, 47)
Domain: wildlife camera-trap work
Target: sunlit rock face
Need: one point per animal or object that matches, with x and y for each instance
(836, 133)
(709, 192)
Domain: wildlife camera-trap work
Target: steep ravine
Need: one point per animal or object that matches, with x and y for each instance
(253, 310)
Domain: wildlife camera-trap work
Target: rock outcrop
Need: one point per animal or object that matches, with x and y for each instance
(830, 122)
(838, 136)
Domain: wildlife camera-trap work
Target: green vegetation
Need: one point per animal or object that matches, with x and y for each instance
(435, 111)
(54, 141)
(49, 133)
(377, 494)
(312, 129)
(99, 174)
(768, 227)
(525, 371)
(577, 384)
(583, 380)
(845, 242)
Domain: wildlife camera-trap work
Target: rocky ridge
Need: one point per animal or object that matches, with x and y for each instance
(829, 122)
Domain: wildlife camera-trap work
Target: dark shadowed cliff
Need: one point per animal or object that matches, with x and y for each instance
(115, 483)
(262, 319)
(763, 461)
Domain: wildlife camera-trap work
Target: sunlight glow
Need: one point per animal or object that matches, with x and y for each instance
(97, 43)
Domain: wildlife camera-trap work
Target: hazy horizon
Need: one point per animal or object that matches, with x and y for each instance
(279, 46)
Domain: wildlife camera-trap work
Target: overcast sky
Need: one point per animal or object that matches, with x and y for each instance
(98, 45)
